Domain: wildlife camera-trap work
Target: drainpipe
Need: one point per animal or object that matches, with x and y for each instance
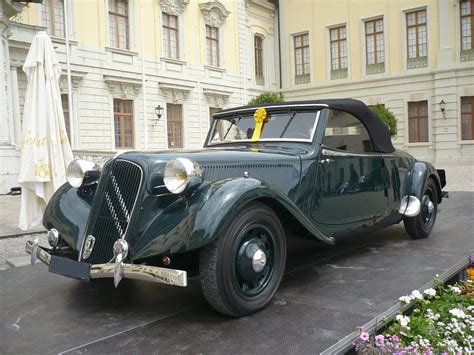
(277, 4)
(145, 126)
(68, 68)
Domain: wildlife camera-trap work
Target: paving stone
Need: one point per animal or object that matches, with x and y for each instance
(326, 292)
(19, 261)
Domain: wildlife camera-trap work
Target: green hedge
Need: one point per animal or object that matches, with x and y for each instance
(387, 116)
(266, 97)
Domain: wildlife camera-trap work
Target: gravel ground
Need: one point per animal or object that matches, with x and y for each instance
(460, 177)
(15, 246)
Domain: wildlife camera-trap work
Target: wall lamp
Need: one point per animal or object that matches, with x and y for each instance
(442, 107)
(158, 112)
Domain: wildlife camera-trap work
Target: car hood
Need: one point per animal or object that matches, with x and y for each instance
(275, 165)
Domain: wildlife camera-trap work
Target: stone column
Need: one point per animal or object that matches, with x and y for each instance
(445, 51)
(15, 103)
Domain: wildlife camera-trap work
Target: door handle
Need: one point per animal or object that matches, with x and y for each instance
(326, 161)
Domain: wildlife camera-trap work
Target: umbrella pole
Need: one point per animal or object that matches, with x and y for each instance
(145, 127)
(68, 68)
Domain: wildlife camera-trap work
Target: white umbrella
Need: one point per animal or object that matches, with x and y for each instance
(45, 149)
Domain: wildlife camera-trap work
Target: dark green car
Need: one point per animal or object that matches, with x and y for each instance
(324, 168)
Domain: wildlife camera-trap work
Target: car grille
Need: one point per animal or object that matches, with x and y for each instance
(116, 209)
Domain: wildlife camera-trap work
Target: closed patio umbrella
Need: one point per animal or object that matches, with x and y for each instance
(45, 149)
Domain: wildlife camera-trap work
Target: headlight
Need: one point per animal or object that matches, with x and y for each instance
(76, 170)
(179, 173)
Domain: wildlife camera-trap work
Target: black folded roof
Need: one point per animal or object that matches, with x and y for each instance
(379, 132)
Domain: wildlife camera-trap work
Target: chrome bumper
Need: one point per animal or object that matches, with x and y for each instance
(118, 270)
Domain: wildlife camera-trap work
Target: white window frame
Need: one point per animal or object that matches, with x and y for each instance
(406, 126)
(292, 56)
(404, 38)
(181, 52)
(363, 44)
(264, 61)
(328, 51)
(70, 20)
(131, 27)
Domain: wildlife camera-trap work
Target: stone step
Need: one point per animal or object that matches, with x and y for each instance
(19, 261)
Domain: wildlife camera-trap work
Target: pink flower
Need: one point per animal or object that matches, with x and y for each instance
(379, 340)
(364, 336)
(395, 339)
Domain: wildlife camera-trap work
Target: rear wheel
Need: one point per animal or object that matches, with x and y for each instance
(241, 271)
(420, 226)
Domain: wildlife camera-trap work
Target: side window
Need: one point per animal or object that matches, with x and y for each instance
(346, 132)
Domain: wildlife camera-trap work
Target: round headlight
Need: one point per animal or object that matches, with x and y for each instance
(179, 172)
(76, 170)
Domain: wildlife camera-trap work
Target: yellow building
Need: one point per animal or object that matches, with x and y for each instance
(200, 56)
(197, 57)
(409, 55)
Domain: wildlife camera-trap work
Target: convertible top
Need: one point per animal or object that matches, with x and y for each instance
(378, 130)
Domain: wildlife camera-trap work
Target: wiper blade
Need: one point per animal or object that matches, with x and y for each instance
(234, 122)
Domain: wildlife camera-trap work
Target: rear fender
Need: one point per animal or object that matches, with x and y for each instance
(415, 181)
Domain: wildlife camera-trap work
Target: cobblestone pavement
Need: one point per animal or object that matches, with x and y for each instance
(460, 177)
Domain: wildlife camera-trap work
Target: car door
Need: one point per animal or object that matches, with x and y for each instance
(351, 184)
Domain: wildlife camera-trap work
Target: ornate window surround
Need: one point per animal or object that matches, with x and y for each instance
(216, 98)
(214, 15)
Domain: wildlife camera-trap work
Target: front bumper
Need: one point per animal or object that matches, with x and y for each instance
(117, 270)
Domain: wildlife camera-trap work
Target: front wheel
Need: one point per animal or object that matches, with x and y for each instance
(242, 269)
(420, 226)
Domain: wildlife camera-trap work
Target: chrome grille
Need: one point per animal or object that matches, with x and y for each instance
(115, 210)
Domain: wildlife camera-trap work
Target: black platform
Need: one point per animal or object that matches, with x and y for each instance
(326, 293)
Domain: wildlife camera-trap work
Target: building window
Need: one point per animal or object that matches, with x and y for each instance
(417, 39)
(467, 25)
(258, 49)
(67, 120)
(170, 36)
(52, 14)
(174, 117)
(302, 59)
(375, 46)
(212, 45)
(418, 121)
(467, 118)
(118, 24)
(123, 123)
(338, 39)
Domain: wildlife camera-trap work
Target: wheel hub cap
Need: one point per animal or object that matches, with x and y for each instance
(259, 261)
(430, 206)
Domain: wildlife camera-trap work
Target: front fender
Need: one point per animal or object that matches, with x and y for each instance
(206, 214)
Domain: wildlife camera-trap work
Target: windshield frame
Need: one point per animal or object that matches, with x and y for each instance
(316, 108)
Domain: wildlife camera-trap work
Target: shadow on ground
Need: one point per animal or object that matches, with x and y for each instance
(327, 291)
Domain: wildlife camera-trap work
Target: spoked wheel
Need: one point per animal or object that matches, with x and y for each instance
(421, 225)
(241, 271)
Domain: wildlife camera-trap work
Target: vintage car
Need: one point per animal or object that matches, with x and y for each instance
(321, 169)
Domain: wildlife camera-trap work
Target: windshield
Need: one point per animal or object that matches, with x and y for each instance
(291, 125)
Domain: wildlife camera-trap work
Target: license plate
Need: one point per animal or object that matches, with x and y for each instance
(70, 268)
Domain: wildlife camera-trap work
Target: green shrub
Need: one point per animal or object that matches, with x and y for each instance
(266, 97)
(387, 116)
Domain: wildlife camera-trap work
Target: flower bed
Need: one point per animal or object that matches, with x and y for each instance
(441, 321)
